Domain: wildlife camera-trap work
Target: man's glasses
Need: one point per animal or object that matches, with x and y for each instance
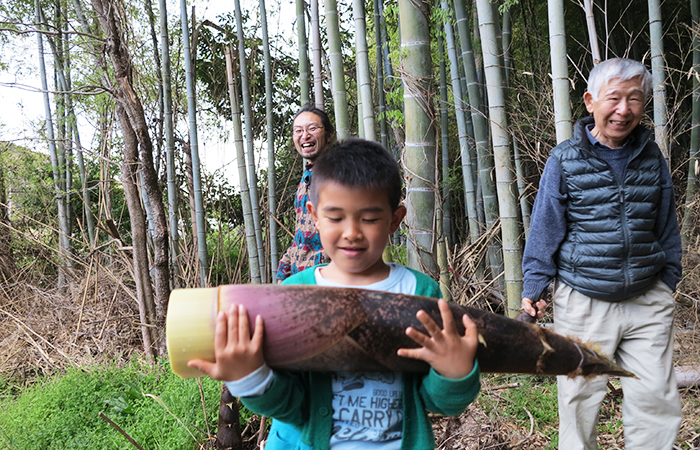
(311, 129)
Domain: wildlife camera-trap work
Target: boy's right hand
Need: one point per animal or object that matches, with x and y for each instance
(236, 353)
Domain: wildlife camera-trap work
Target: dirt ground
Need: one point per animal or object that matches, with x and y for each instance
(96, 318)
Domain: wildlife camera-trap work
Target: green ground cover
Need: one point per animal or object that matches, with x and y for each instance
(151, 404)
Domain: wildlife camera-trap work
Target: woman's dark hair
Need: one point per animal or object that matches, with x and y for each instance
(358, 163)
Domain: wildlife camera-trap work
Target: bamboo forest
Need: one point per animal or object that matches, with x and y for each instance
(161, 157)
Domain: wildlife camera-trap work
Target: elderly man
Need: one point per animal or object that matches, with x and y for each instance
(604, 227)
(312, 132)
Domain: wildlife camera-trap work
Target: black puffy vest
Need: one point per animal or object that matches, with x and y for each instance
(610, 251)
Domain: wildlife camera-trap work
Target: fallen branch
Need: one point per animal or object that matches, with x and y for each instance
(688, 376)
(118, 428)
(503, 386)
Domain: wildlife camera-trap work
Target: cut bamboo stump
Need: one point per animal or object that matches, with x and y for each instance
(312, 328)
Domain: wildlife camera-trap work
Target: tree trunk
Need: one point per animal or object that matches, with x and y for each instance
(142, 279)
(159, 76)
(340, 101)
(511, 231)
(525, 208)
(560, 70)
(200, 226)
(390, 80)
(485, 160)
(381, 97)
(658, 73)
(363, 79)
(7, 260)
(169, 146)
(419, 152)
(71, 129)
(506, 40)
(248, 112)
(105, 185)
(590, 23)
(130, 102)
(303, 53)
(58, 169)
(269, 121)
(249, 223)
(693, 163)
(469, 194)
(444, 134)
(317, 54)
(106, 116)
(360, 113)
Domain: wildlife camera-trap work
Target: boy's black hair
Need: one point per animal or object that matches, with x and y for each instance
(358, 163)
(325, 120)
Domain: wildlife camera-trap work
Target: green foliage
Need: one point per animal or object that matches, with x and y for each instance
(507, 4)
(30, 191)
(32, 194)
(223, 201)
(211, 71)
(534, 398)
(396, 252)
(62, 412)
(227, 247)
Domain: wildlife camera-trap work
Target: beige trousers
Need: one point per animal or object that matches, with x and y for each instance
(638, 333)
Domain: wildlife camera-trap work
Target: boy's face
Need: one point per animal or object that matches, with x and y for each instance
(354, 225)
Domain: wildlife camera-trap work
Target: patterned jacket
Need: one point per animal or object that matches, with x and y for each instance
(306, 250)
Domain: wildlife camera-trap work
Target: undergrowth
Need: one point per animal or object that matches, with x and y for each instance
(529, 402)
(150, 403)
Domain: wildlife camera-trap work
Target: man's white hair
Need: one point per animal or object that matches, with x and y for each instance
(618, 68)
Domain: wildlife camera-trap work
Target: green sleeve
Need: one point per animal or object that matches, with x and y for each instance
(447, 396)
(286, 399)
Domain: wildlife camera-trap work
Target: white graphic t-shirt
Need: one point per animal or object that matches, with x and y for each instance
(368, 407)
(367, 410)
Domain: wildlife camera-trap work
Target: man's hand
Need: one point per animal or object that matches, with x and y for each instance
(450, 354)
(534, 309)
(236, 353)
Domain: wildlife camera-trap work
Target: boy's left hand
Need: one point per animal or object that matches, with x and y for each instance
(450, 354)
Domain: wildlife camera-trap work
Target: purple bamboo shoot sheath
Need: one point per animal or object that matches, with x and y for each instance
(316, 328)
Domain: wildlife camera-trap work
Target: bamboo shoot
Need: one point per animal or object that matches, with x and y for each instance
(315, 328)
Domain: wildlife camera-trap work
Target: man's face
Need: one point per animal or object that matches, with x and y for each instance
(308, 135)
(617, 111)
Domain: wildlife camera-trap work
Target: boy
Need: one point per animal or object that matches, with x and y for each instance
(355, 197)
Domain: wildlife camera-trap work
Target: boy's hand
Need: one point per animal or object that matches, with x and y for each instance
(236, 353)
(450, 354)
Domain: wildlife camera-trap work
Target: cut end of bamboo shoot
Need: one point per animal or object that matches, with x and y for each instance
(190, 326)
